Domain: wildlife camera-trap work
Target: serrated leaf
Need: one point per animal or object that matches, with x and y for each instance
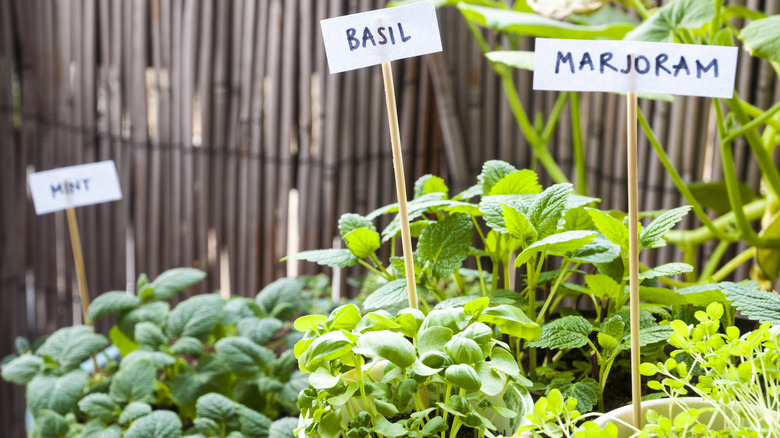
(259, 330)
(336, 258)
(430, 184)
(56, 393)
(362, 242)
(49, 424)
(100, 406)
(762, 38)
(653, 235)
(188, 346)
(416, 208)
(349, 222)
(587, 392)
(242, 356)
(517, 182)
(158, 424)
(70, 346)
(22, 369)
(560, 243)
(564, 333)
(160, 359)
(610, 227)
(666, 270)
(602, 286)
(671, 18)
(493, 171)
(751, 301)
(133, 411)
(492, 208)
(519, 227)
(171, 282)
(598, 250)
(547, 210)
(444, 245)
(134, 382)
(653, 334)
(111, 302)
(194, 317)
(390, 294)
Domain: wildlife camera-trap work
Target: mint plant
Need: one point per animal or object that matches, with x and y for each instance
(208, 367)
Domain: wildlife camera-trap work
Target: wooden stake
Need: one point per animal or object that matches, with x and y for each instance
(78, 258)
(633, 254)
(400, 182)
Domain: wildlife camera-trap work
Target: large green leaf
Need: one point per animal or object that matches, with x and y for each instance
(281, 298)
(560, 243)
(512, 58)
(493, 171)
(70, 346)
(242, 356)
(334, 257)
(673, 17)
(134, 382)
(220, 409)
(194, 317)
(50, 424)
(111, 302)
(511, 321)
(388, 345)
(503, 20)
(444, 245)
(99, 405)
(762, 38)
(610, 227)
(519, 227)
(259, 330)
(56, 393)
(171, 282)
(22, 369)
(548, 209)
(158, 424)
(653, 235)
(752, 301)
(564, 333)
(390, 294)
(430, 184)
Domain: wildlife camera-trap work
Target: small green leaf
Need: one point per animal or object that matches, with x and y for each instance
(219, 408)
(511, 321)
(362, 242)
(653, 235)
(155, 312)
(503, 361)
(253, 424)
(70, 346)
(334, 257)
(547, 210)
(388, 429)
(171, 282)
(149, 335)
(158, 424)
(444, 245)
(349, 222)
(259, 330)
(611, 228)
(666, 270)
(100, 406)
(518, 182)
(327, 347)
(651, 335)
(188, 346)
(429, 184)
(56, 393)
(309, 322)
(433, 339)
(672, 18)
(97, 429)
(587, 392)
(564, 333)
(493, 171)
(50, 424)
(22, 369)
(519, 227)
(345, 317)
(463, 376)
(512, 58)
(242, 356)
(463, 350)
(281, 298)
(194, 317)
(111, 302)
(134, 382)
(388, 345)
(602, 286)
(492, 381)
(560, 243)
(133, 411)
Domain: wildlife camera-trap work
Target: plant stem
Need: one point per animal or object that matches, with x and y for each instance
(640, 8)
(733, 264)
(698, 236)
(715, 257)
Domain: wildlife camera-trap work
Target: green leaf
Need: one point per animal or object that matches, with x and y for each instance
(433, 339)
(753, 302)
(672, 18)
(327, 347)
(666, 270)
(259, 330)
(160, 359)
(362, 242)
(610, 227)
(242, 356)
(133, 411)
(444, 245)
(493, 171)
(602, 286)
(111, 302)
(390, 294)
(22, 369)
(158, 424)
(345, 317)
(336, 258)
(171, 282)
(653, 235)
(349, 222)
(309, 322)
(50, 424)
(281, 298)
(99, 405)
(504, 20)
(653, 334)
(463, 350)
(416, 208)
(56, 393)
(560, 243)
(714, 195)
(564, 333)
(149, 335)
(504, 361)
(768, 259)
(587, 392)
(194, 317)
(253, 424)
(388, 345)
(518, 182)
(512, 58)
(762, 38)
(519, 227)
(492, 208)
(155, 312)
(122, 341)
(388, 429)
(511, 321)
(492, 381)
(70, 346)
(547, 210)
(283, 427)
(219, 408)
(429, 184)
(696, 295)
(134, 382)
(598, 250)
(188, 346)
(96, 429)
(463, 376)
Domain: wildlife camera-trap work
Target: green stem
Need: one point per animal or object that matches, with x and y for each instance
(378, 264)
(561, 275)
(743, 257)
(552, 121)
(714, 259)
(579, 145)
(640, 8)
(358, 359)
(373, 269)
(482, 284)
(698, 236)
(757, 113)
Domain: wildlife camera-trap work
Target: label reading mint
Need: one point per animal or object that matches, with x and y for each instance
(74, 186)
(370, 38)
(661, 68)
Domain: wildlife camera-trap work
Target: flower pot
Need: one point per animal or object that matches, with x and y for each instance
(623, 417)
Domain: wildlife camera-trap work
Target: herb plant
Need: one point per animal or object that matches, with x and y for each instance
(208, 367)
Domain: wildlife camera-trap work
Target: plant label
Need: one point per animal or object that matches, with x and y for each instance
(373, 37)
(74, 186)
(642, 67)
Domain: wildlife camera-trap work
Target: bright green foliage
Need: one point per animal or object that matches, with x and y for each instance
(753, 302)
(564, 333)
(653, 235)
(443, 246)
(762, 38)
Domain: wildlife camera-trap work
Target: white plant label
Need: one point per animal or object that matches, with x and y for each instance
(373, 37)
(74, 186)
(660, 68)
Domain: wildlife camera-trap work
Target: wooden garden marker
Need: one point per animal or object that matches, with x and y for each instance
(378, 37)
(69, 187)
(632, 66)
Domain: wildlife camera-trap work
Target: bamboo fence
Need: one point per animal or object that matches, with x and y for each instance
(222, 115)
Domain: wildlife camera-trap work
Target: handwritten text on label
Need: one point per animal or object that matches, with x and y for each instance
(370, 38)
(74, 186)
(685, 69)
